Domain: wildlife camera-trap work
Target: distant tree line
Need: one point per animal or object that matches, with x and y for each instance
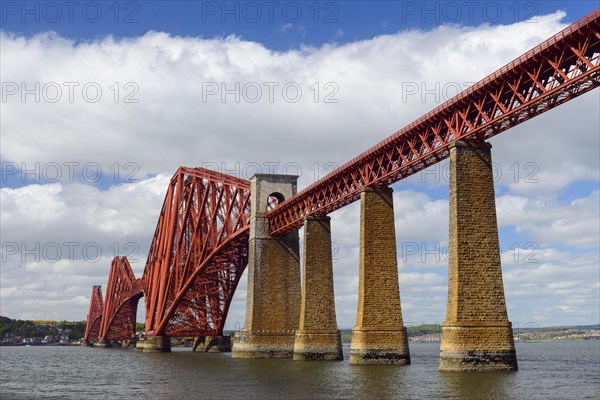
(423, 329)
(30, 329)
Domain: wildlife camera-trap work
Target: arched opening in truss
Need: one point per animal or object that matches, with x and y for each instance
(274, 200)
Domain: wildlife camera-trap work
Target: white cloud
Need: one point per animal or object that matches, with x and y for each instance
(550, 222)
(172, 125)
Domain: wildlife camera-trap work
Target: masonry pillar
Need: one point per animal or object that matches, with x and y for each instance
(156, 344)
(477, 335)
(139, 344)
(129, 343)
(379, 336)
(318, 337)
(103, 343)
(273, 303)
(212, 344)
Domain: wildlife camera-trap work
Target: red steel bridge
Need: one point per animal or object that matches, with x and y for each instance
(200, 245)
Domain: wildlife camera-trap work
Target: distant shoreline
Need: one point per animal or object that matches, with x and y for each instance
(39, 344)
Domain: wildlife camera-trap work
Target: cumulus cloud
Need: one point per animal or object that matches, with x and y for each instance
(551, 286)
(548, 221)
(177, 121)
(159, 101)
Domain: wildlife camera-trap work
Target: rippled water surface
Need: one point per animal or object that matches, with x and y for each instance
(550, 370)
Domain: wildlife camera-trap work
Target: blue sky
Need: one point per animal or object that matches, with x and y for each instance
(93, 170)
(279, 25)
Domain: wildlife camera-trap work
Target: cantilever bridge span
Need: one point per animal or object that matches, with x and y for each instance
(197, 256)
(204, 237)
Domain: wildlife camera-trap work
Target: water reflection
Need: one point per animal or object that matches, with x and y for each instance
(379, 381)
(478, 385)
(547, 371)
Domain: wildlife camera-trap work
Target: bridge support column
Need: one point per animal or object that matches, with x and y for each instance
(156, 344)
(477, 335)
(129, 343)
(212, 344)
(103, 343)
(318, 337)
(379, 336)
(273, 304)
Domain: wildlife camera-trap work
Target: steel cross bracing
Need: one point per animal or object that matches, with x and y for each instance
(123, 292)
(554, 72)
(198, 253)
(94, 317)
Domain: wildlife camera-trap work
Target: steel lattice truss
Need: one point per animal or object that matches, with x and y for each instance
(198, 254)
(556, 71)
(123, 292)
(94, 317)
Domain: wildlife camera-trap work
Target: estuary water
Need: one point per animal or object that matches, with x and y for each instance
(547, 370)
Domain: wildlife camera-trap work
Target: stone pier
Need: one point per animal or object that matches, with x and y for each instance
(139, 344)
(273, 303)
(103, 343)
(212, 344)
(129, 343)
(379, 336)
(318, 337)
(476, 335)
(155, 344)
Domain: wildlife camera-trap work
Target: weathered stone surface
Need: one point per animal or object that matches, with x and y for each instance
(477, 348)
(371, 346)
(318, 337)
(264, 344)
(156, 344)
(212, 344)
(379, 336)
(273, 303)
(318, 346)
(129, 343)
(477, 334)
(103, 343)
(139, 345)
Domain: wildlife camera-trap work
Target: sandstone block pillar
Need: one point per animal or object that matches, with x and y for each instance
(476, 335)
(156, 344)
(273, 303)
(379, 336)
(103, 343)
(318, 337)
(212, 344)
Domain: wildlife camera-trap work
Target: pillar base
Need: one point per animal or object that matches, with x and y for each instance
(129, 343)
(379, 346)
(213, 344)
(157, 344)
(140, 343)
(477, 347)
(263, 344)
(104, 344)
(318, 346)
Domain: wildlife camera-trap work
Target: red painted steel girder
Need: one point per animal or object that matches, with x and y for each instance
(559, 69)
(94, 316)
(123, 292)
(198, 253)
